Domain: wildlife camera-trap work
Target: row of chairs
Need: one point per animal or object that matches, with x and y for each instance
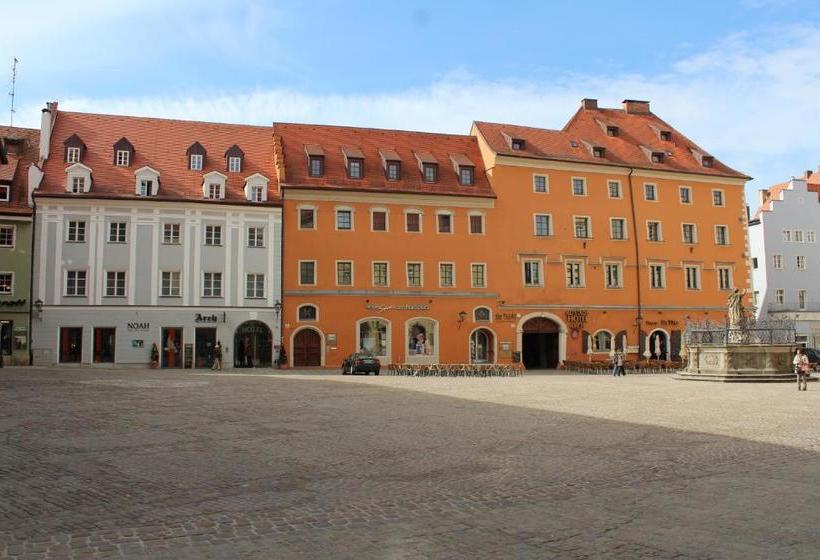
(456, 370)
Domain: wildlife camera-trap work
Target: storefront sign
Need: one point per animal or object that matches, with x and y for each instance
(135, 326)
(576, 318)
(664, 322)
(13, 302)
(404, 307)
(506, 316)
(200, 318)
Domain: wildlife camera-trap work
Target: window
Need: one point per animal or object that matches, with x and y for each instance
(476, 224)
(798, 236)
(650, 192)
(414, 279)
(575, 274)
(708, 161)
(446, 275)
(234, 164)
(617, 228)
(355, 168)
(211, 284)
(612, 131)
(116, 232)
(445, 223)
(214, 191)
(466, 175)
(518, 144)
(721, 235)
(145, 188)
(543, 225)
(307, 273)
(802, 299)
(257, 193)
(657, 157)
(689, 233)
(196, 162)
(724, 277)
(412, 222)
(540, 183)
(653, 231)
(115, 284)
(4, 193)
(579, 186)
(213, 235)
(344, 273)
(665, 135)
(73, 155)
(393, 170)
(479, 275)
(481, 315)
(430, 172)
(614, 188)
(170, 234)
(657, 276)
(602, 341)
(307, 218)
(378, 220)
(170, 284)
(810, 237)
(532, 273)
(77, 184)
(255, 286)
(717, 197)
(123, 158)
(582, 230)
(344, 220)
(307, 313)
(685, 195)
(316, 166)
(801, 262)
(777, 262)
(380, 274)
(613, 275)
(754, 262)
(780, 296)
(75, 283)
(6, 283)
(787, 235)
(692, 277)
(76, 232)
(256, 237)
(7, 236)
(598, 152)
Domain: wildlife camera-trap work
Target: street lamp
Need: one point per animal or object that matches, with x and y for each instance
(277, 308)
(38, 306)
(461, 316)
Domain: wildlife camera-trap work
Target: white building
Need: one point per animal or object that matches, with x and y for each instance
(786, 255)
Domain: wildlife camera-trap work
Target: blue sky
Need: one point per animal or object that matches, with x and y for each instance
(741, 77)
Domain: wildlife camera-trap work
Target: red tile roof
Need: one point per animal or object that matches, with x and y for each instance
(408, 145)
(16, 170)
(638, 137)
(161, 144)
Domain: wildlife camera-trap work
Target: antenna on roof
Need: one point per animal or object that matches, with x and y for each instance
(11, 93)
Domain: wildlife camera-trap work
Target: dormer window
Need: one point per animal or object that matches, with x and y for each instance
(72, 154)
(354, 161)
(213, 185)
(123, 158)
(77, 184)
(145, 187)
(708, 161)
(466, 175)
(256, 188)
(518, 144)
(665, 135)
(214, 190)
(430, 172)
(123, 153)
(78, 178)
(658, 157)
(196, 156)
(612, 131)
(235, 159)
(393, 170)
(234, 164)
(147, 181)
(316, 160)
(599, 152)
(195, 163)
(74, 149)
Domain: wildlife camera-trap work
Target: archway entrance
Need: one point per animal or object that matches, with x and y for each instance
(539, 344)
(307, 349)
(253, 344)
(482, 347)
(659, 345)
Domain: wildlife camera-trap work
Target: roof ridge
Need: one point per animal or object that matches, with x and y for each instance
(520, 126)
(373, 129)
(163, 119)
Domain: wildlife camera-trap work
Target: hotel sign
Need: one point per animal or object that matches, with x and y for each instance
(381, 308)
(576, 318)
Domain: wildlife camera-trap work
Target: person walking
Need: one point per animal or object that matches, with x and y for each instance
(217, 356)
(801, 369)
(619, 364)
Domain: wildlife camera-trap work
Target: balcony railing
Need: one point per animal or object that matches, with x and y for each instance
(772, 331)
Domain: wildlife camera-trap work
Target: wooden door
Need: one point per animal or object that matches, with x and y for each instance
(307, 349)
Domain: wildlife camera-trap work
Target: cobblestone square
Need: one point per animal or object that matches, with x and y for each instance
(164, 464)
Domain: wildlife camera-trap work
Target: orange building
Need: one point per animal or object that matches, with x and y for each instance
(512, 244)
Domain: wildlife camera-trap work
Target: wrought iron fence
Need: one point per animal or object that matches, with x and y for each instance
(749, 331)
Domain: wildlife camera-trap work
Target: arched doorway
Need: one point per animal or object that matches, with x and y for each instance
(253, 345)
(539, 343)
(482, 347)
(659, 345)
(307, 348)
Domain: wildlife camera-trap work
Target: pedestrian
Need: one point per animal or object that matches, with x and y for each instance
(801, 369)
(615, 364)
(619, 364)
(217, 356)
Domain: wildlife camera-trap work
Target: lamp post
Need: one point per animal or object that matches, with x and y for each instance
(277, 310)
(2, 339)
(462, 315)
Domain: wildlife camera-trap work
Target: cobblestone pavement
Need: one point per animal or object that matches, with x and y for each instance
(148, 464)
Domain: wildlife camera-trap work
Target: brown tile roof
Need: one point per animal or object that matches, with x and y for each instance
(16, 170)
(373, 143)
(161, 144)
(638, 137)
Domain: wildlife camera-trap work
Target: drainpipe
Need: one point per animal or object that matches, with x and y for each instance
(639, 276)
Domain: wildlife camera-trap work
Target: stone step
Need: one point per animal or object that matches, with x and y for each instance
(741, 378)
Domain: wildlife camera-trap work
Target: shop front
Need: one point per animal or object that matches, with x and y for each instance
(14, 335)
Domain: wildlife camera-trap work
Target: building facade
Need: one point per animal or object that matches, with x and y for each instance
(18, 150)
(155, 234)
(786, 255)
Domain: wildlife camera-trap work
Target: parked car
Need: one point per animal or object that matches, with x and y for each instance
(360, 362)
(814, 358)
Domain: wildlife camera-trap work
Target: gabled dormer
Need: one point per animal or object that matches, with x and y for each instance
(515, 144)
(196, 156)
(123, 153)
(78, 178)
(464, 168)
(354, 162)
(74, 149)
(391, 162)
(147, 181)
(315, 160)
(213, 185)
(256, 188)
(234, 159)
(428, 165)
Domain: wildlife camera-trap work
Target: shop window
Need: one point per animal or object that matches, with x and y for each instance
(421, 339)
(373, 337)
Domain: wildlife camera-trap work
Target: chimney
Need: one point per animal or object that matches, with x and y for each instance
(808, 173)
(587, 103)
(633, 106)
(46, 124)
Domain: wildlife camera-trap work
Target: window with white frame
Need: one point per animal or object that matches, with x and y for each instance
(256, 236)
(657, 276)
(482, 315)
(614, 188)
(378, 220)
(6, 283)
(77, 184)
(146, 187)
(777, 262)
(717, 197)
(75, 282)
(787, 235)
(211, 284)
(307, 273)
(543, 225)
(533, 272)
(76, 231)
(685, 195)
(170, 284)
(412, 222)
(344, 273)
(613, 275)
(798, 236)
(802, 299)
(582, 228)
(479, 275)
(575, 274)
(7, 234)
(214, 190)
(602, 341)
(117, 232)
(123, 158)
(255, 286)
(307, 218)
(724, 274)
(196, 162)
(466, 175)
(381, 278)
(540, 183)
(579, 186)
(234, 164)
(115, 284)
(307, 313)
(170, 234)
(213, 235)
(617, 228)
(446, 275)
(445, 223)
(689, 233)
(344, 219)
(801, 262)
(476, 222)
(72, 155)
(653, 231)
(650, 192)
(257, 193)
(811, 237)
(780, 296)
(414, 278)
(721, 235)
(692, 273)
(5, 193)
